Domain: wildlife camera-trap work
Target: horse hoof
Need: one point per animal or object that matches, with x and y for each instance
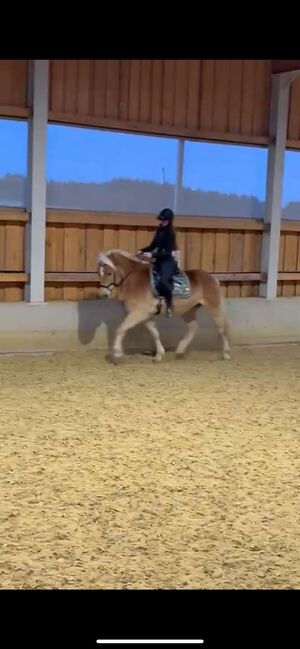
(226, 356)
(180, 356)
(116, 360)
(157, 359)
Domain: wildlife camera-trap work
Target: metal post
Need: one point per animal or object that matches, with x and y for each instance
(278, 133)
(36, 199)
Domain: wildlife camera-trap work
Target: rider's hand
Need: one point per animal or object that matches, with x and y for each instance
(148, 255)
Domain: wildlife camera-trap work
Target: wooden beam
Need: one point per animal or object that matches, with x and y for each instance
(15, 111)
(10, 214)
(72, 278)
(289, 277)
(156, 129)
(13, 278)
(293, 144)
(148, 220)
(290, 226)
(91, 278)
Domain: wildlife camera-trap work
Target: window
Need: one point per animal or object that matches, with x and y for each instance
(13, 162)
(103, 170)
(224, 180)
(291, 186)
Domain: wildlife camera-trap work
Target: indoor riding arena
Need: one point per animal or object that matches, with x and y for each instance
(183, 474)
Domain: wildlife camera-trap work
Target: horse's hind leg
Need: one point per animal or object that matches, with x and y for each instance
(151, 326)
(218, 316)
(190, 317)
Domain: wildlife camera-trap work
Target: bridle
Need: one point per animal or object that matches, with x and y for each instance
(113, 285)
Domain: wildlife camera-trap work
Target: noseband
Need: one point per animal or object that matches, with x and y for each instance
(113, 285)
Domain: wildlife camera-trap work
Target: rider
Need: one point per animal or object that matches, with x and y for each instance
(160, 250)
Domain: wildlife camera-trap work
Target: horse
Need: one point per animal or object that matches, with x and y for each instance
(131, 280)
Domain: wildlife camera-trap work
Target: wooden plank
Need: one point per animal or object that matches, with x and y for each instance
(134, 90)
(99, 88)
(262, 88)
(13, 278)
(207, 94)
(181, 246)
(285, 276)
(193, 249)
(127, 239)
(249, 262)
(165, 129)
(290, 261)
(143, 237)
(112, 88)
(193, 94)
(293, 144)
(72, 278)
(57, 82)
(168, 92)
(235, 260)
(294, 113)
(157, 92)
(280, 262)
(221, 96)
(110, 238)
(6, 78)
(83, 86)
(222, 251)
(235, 96)
(71, 86)
(124, 90)
(14, 247)
(14, 111)
(146, 91)
(208, 251)
(11, 214)
(50, 260)
(13, 292)
(248, 97)
(73, 257)
(148, 220)
(290, 226)
(94, 277)
(94, 245)
(54, 257)
(181, 93)
(19, 83)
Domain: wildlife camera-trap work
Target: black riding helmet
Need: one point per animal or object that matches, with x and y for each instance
(166, 215)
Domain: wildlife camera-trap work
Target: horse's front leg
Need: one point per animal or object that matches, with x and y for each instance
(132, 319)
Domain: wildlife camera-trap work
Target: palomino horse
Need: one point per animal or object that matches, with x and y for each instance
(129, 279)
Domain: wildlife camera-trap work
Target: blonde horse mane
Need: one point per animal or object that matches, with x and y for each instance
(104, 257)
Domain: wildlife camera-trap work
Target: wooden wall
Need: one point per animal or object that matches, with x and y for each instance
(12, 255)
(13, 88)
(229, 248)
(189, 97)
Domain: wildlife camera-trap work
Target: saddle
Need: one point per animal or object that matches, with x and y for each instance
(181, 284)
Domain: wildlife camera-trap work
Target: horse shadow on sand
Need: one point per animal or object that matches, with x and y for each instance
(96, 313)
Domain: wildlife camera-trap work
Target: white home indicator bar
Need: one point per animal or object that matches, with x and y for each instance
(153, 642)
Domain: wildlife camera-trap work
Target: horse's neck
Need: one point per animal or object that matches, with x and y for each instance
(123, 264)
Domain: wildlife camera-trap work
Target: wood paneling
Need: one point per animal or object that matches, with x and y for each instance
(228, 247)
(12, 255)
(13, 88)
(216, 99)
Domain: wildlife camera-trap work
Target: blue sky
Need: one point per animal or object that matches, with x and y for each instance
(87, 155)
